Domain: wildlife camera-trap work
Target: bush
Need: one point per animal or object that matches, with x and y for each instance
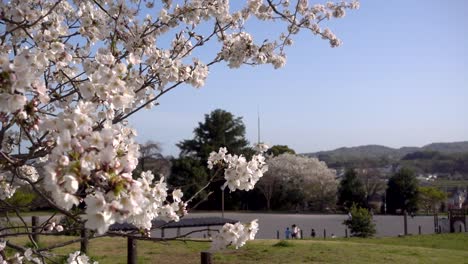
(283, 243)
(360, 223)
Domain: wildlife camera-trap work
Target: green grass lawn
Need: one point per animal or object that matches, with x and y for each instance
(445, 248)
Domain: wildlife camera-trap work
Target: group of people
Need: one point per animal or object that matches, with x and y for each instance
(294, 232)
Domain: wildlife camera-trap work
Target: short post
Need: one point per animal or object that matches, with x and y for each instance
(35, 228)
(206, 257)
(302, 235)
(440, 229)
(222, 205)
(131, 250)
(178, 231)
(346, 232)
(324, 234)
(162, 232)
(419, 230)
(405, 222)
(84, 241)
(277, 234)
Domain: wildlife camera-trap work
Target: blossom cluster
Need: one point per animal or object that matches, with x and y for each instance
(239, 173)
(11, 180)
(53, 227)
(79, 258)
(18, 258)
(234, 235)
(95, 167)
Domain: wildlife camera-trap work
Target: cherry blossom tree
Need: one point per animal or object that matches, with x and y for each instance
(299, 180)
(72, 73)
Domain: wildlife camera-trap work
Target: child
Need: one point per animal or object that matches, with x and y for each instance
(287, 233)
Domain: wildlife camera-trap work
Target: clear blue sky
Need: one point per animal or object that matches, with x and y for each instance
(399, 79)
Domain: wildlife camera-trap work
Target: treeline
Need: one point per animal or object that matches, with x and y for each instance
(292, 183)
(281, 188)
(426, 162)
(436, 162)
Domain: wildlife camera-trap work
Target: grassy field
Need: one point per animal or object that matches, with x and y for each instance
(446, 248)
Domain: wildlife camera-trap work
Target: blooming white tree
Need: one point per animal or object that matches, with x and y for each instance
(310, 179)
(72, 72)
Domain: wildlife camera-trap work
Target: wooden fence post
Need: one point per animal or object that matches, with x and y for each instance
(346, 232)
(84, 241)
(324, 234)
(302, 235)
(35, 228)
(419, 230)
(405, 222)
(206, 258)
(131, 250)
(277, 234)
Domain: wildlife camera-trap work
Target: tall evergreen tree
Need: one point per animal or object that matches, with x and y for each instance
(402, 192)
(351, 190)
(220, 129)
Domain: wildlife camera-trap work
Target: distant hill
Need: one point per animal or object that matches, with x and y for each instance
(377, 155)
(448, 148)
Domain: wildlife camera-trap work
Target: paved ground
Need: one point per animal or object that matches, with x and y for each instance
(386, 225)
(269, 223)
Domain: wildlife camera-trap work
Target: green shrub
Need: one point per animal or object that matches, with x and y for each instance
(360, 223)
(283, 243)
